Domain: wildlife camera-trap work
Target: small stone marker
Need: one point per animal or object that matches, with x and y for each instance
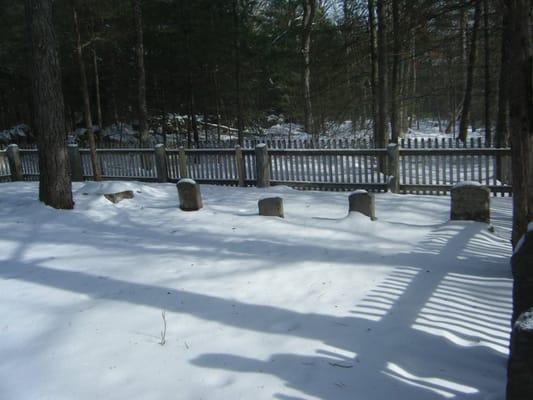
(363, 202)
(470, 202)
(189, 195)
(119, 196)
(271, 207)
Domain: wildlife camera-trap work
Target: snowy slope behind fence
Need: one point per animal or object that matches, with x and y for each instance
(418, 170)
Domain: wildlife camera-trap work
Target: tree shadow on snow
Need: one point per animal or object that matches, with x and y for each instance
(428, 330)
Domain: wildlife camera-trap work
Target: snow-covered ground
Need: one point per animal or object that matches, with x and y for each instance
(318, 305)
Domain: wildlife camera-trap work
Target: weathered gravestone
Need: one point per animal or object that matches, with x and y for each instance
(189, 195)
(470, 202)
(271, 207)
(362, 202)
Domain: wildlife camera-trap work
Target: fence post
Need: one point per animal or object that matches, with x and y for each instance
(15, 163)
(76, 167)
(262, 165)
(239, 162)
(161, 162)
(183, 163)
(393, 162)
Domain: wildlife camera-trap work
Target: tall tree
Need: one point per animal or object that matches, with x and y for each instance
(502, 117)
(55, 187)
(192, 126)
(141, 75)
(97, 173)
(97, 89)
(486, 42)
(308, 17)
(382, 131)
(521, 110)
(237, 50)
(467, 100)
(373, 66)
(395, 103)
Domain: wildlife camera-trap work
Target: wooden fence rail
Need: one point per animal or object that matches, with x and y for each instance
(175, 141)
(404, 170)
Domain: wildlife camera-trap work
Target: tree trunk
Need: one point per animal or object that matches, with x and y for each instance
(486, 30)
(214, 75)
(373, 66)
(237, 49)
(521, 110)
(97, 91)
(467, 100)
(309, 15)
(193, 125)
(55, 187)
(141, 75)
(113, 86)
(413, 78)
(502, 118)
(394, 119)
(382, 131)
(463, 39)
(348, 69)
(97, 173)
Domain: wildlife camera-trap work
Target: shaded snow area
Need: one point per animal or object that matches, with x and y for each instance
(318, 305)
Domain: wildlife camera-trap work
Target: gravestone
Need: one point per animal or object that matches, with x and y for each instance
(189, 195)
(271, 207)
(362, 202)
(470, 202)
(119, 196)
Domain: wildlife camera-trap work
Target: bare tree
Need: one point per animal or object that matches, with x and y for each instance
(373, 65)
(395, 104)
(141, 75)
(97, 173)
(467, 100)
(382, 131)
(237, 50)
(309, 15)
(97, 89)
(192, 126)
(502, 118)
(55, 187)
(486, 42)
(520, 110)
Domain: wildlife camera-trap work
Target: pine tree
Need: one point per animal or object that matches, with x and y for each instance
(48, 107)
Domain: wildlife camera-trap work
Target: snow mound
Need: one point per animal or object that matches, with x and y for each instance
(467, 183)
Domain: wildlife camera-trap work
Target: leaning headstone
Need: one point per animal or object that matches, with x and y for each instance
(470, 202)
(119, 196)
(189, 195)
(520, 364)
(271, 207)
(362, 202)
